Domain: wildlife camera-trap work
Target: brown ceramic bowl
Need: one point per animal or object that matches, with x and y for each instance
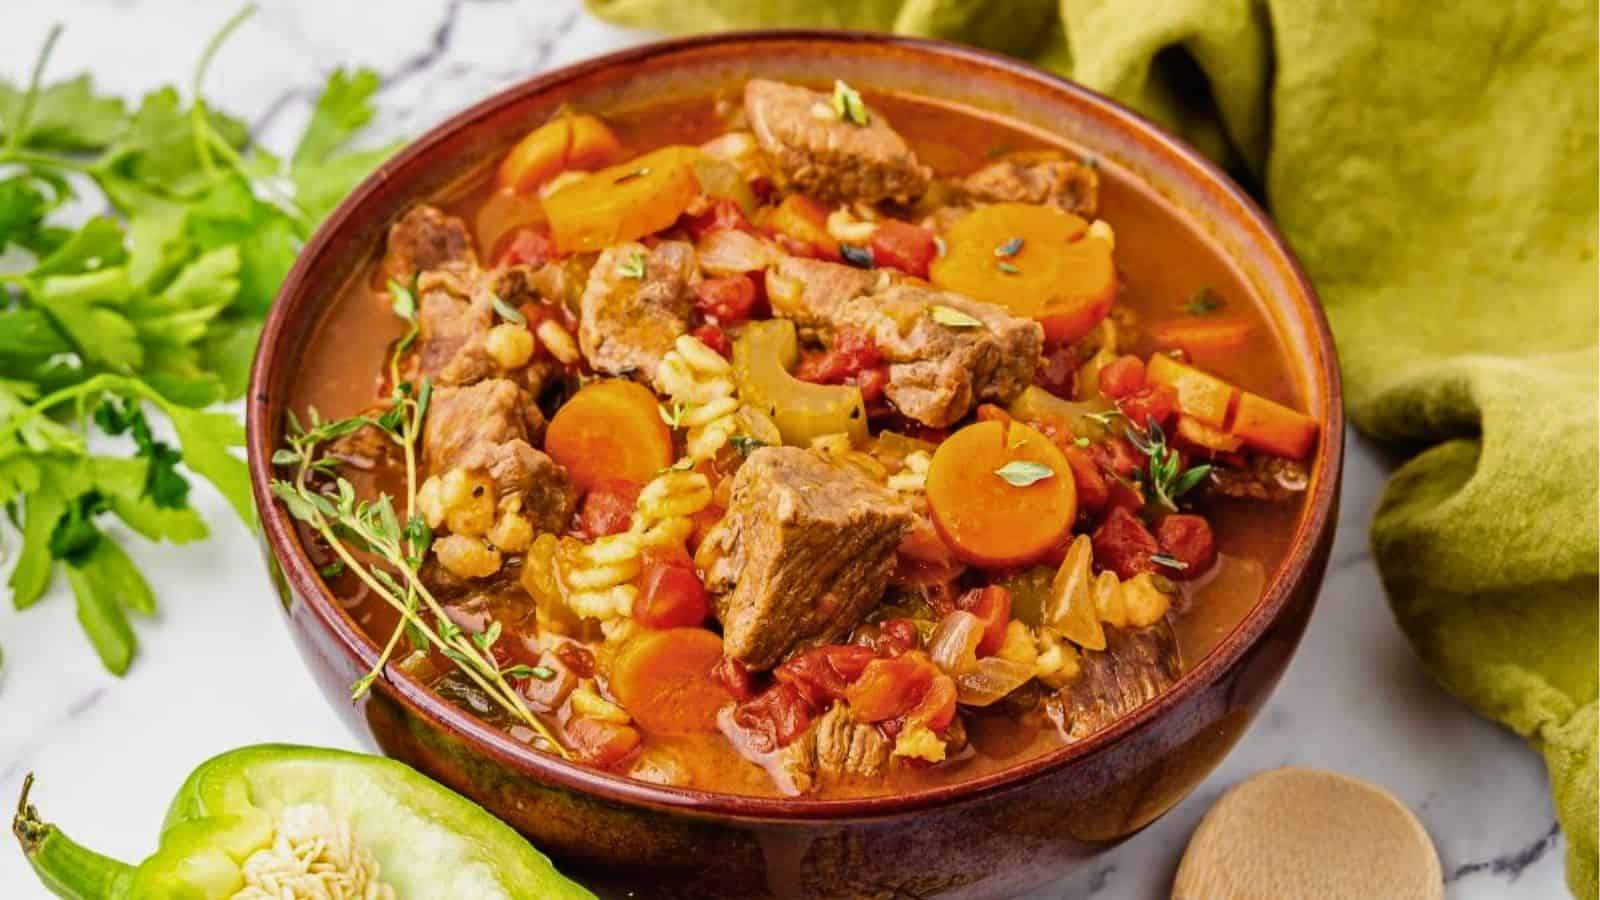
(993, 836)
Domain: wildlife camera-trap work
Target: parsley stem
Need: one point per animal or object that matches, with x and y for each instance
(103, 382)
(199, 118)
(19, 128)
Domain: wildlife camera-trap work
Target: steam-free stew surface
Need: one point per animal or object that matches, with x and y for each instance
(880, 678)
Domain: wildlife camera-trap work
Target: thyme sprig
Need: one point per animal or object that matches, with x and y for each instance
(1164, 477)
(392, 550)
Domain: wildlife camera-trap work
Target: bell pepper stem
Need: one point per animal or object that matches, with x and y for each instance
(69, 869)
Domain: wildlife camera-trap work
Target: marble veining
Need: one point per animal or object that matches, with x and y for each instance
(217, 669)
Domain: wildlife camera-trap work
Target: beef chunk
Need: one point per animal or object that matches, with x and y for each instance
(1037, 178)
(1135, 666)
(937, 372)
(804, 551)
(813, 151)
(831, 748)
(455, 311)
(486, 427)
(426, 239)
(635, 305)
(1264, 477)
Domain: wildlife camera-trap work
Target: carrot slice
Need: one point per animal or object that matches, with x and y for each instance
(1203, 337)
(1036, 261)
(1274, 428)
(624, 202)
(1200, 434)
(1201, 395)
(664, 680)
(570, 142)
(611, 429)
(1001, 495)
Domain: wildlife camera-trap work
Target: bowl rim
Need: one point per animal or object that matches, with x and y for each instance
(282, 540)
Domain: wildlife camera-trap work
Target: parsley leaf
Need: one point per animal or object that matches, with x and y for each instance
(1022, 472)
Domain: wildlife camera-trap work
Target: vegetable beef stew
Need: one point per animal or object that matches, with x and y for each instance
(784, 443)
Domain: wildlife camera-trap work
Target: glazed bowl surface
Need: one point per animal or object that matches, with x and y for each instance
(992, 836)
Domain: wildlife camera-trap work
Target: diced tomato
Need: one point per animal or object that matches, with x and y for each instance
(715, 338)
(530, 245)
(1188, 539)
(724, 215)
(778, 715)
(903, 246)
(608, 508)
(896, 636)
(703, 520)
(1122, 376)
(992, 606)
(1092, 489)
(601, 743)
(852, 353)
(726, 301)
(1155, 401)
(937, 708)
(670, 593)
(822, 674)
(739, 681)
(1123, 545)
(1117, 456)
(1058, 369)
(1123, 496)
(873, 382)
(890, 686)
(988, 412)
(577, 658)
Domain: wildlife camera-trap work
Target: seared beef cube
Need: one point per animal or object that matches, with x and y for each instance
(634, 307)
(426, 239)
(849, 748)
(1032, 178)
(485, 427)
(815, 152)
(937, 372)
(804, 551)
(813, 292)
(456, 309)
(1136, 665)
(831, 748)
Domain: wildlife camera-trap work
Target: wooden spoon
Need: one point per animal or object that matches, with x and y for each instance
(1311, 835)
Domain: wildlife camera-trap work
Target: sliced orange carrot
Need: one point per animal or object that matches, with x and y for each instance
(570, 142)
(624, 202)
(663, 679)
(1203, 337)
(1201, 395)
(1036, 261)
(1001, 495)
(611, 429)
(1274, 428)
(1200, 434)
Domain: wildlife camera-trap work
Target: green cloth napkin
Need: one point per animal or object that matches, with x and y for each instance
(1434, 166)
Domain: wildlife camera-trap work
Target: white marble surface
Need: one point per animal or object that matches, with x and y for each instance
(218, 670)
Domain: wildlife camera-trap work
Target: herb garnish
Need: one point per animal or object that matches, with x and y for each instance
(403, 300)
(506, 311)
(1022, 472)
(1204, 302)
(636, 173)
(1104, 417)
(151, 307)
(847, 105)
(1007, 268)
(746, 444)
(1171, 562)
(1009, 248)
(856, 255)
(633, 266)
(952, 317)
(1163, 477)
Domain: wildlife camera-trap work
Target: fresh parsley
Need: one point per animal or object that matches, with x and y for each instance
(633, 266)
(848, 106)
(1171, 562)
(952, 317)
(1007, 268)
(1009, 248)
(506, 311)
(746, 444)
(134, 321)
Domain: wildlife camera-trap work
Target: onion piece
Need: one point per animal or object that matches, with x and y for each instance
(954, 645)
(1071, 607)
(992, 678)
(729, 251)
